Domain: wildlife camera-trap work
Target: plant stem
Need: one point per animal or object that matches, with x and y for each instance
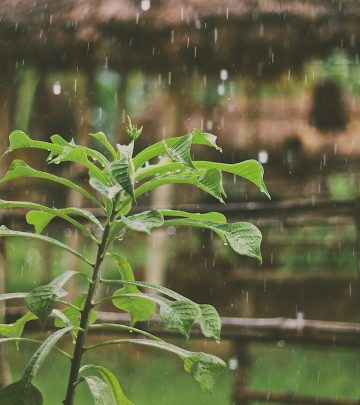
(84, 320)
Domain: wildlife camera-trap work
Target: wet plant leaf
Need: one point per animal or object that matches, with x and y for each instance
(145, 221)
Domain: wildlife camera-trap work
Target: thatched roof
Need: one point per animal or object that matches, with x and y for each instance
(260, 37)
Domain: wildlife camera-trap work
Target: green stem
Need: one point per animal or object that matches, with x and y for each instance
(84, 320)
(115, 326)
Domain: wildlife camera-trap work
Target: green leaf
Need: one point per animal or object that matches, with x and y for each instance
(73, 315)
(145, 221)
(178, 315)
(41, 354)
(16, 329)
(197, 137)
(19, 168)
(140, 309)
(6, 232)
(210, 322)
(100, 391)
(243, 237)
(19, 394)
(112, 382)
(203, 367)
(107, 191)
(102, 138)
(210, 181)
(123, 170)
(41, 300)
(39, 219)
(250, 170)
(209, 216)
(180, 150)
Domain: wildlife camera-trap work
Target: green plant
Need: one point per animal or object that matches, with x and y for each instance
(119, 183)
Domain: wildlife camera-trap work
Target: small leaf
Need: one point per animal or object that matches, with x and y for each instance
(39, 219)
(107, 191)
(145, 221)
(132, 130)
(112, 382)
(180, 150)
(41, 300)
(204, 138)
(73, 315)
(209, 216)
(100, 391)
(123, 171)
(140, 309)
(102, 138)
(19, 394)
(178, 315)
(16, 329)
(210, 322)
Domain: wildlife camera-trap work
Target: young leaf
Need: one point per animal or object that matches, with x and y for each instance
(101, 137)
(16, 329)
(39, 219)
(112, 382)
(123, 171)
(73, 316)
(19, 394)
(132, 130)
(140, 309)
(41, 300)
(19, 168)
(107, 191)
(180, 150)
(145, 221)
(6, 232)
(210, 322)
(100, 391)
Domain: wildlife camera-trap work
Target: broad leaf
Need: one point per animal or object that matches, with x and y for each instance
(19, 394)
(112, 382)
(73, 316)
(123, 170)
(140, 309)
(145, 221)
(210, 322)
(16, 329)
(105, 190)
(19, 168)
(41, 300)
(100, 391)
(243, 237)
(158, 148)
(6, 232)
(101, 137)
(210, 181)
(180, 150)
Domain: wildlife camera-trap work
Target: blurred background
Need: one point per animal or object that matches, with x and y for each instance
(275, 80)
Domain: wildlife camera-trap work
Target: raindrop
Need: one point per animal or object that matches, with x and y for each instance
(145, 5)
(233, 363)
(215, 35)
(221, 89)
(224, 74)
(56, 88)
(263, 156)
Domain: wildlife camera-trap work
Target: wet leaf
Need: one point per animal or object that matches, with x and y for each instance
(145, 221)
(210, 322)
(123, 171)
(180, 150)
(100, 391)
(19, 394)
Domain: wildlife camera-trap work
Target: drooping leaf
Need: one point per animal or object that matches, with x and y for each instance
(180, 150)
(145, 221)
(243, 237)
(100, 391)
(19, 168)
(73, 315)
(41, 300)
(112, 382)
(107, 191)
(140, 309)
(16, 329)
(210, 322)
(102, 138)
(6, 232)
(203, 367)
(197, 137)
(178, 315)
(123, 170)
(19, 394)
(211, 182)
(39, 219)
